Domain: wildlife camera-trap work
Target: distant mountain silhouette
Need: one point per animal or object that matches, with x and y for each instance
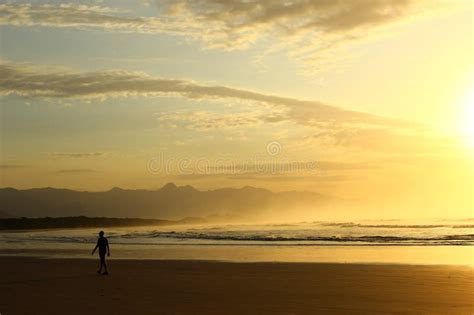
(169, 202)
(4, 215)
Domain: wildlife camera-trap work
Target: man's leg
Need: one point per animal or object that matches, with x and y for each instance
(101, 263)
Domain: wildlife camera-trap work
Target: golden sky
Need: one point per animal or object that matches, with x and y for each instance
(367, 100)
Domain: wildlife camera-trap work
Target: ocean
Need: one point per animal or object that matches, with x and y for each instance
(438, 241)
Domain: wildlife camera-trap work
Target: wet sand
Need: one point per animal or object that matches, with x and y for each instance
(71, 286)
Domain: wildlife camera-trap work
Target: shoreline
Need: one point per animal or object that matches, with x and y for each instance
(55, 286)
(399, 255)
(30, 255)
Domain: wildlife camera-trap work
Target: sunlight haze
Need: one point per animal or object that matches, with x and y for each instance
(375, 109)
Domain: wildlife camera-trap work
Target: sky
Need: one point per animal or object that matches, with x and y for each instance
(366, 100)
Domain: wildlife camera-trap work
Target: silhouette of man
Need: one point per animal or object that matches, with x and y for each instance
(103, 246)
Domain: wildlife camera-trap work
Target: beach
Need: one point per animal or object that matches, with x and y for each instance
(71, 286)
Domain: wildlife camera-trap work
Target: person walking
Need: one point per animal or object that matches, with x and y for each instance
(103, 245)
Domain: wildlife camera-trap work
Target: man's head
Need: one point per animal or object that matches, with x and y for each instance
(101, 233)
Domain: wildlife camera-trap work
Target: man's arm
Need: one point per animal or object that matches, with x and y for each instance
(108, 249)
(94, 249)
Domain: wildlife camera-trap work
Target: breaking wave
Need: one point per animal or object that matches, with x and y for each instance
(298, 234)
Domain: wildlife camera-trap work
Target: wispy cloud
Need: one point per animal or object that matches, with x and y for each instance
(33, 81)
(78, 170)
(267, 178)
(240, 20)
(307, 30)
(345, 166)
(228, 24)
(145, 60)
(77, 154)
(11, 166)
(204, 120)
(414, 140)
(76, 16)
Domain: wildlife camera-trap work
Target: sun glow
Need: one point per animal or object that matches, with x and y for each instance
(467, 119)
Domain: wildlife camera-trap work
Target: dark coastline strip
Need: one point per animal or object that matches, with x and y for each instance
(84, 222)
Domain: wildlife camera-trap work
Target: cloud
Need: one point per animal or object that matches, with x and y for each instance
(312, 32)
(77, 154)
(345, 166)
(415, 140)
(205, 121)
(267, 178)
(216, 22)
(232, 23)
(79, 170)
(33, 81)
(308, 30)
(281, 170)
(10, 166)
(283, 178)
(77, 16)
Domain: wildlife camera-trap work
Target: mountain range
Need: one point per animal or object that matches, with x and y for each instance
(169, 202)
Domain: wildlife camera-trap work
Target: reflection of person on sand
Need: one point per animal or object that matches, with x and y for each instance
(103, 246)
